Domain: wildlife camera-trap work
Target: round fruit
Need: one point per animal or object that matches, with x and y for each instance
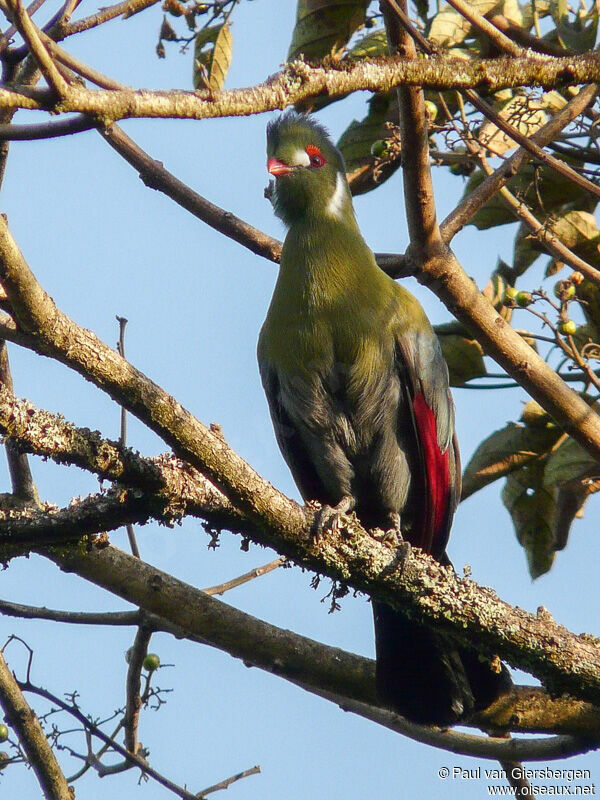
(379, 148)
(431, 109)
(568, 327)
(510, 294)
(3, 733)
(576, 278)
(564, 290)
(523, 299)
(151, 662)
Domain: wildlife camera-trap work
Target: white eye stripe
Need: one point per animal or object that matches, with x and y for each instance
(300, 158)
(336, 201)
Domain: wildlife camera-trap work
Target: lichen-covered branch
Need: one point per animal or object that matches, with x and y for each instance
(326, 671)
(299, 81)
(525, 709)
(280, 522)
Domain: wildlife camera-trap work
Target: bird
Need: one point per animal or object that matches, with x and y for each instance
(359, 397)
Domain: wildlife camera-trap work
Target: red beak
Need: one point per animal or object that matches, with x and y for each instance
(277, 168)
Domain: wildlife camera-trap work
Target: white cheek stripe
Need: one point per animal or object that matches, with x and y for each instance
(336, 201)
(300, 158)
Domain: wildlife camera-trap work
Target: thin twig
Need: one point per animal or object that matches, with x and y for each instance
(126, 618)
(228, 781)
(135, 760)
(47, 130)
(22, 718)
(8, 34)
(133, 705)
(123, 434)
(78, 66)
(221, 588)
(526, 39)
(125, 9)
(467, 208)
(31, 35)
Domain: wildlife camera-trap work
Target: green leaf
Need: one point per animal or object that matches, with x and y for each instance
(505, 451)
(494, 212)
(464, 357)
(372, 44)
(570, 466)
(578, 230)
(532, 506)
(213, 50)
(579, 34)
(450, 28)
(324, 27)
(526, 250)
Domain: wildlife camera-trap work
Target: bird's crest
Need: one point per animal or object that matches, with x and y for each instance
(292, 123)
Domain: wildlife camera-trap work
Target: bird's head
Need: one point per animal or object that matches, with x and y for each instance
(310, 177)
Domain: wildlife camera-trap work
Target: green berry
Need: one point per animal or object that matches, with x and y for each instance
(379, 148)
(564, 290)
(510, 293)
(568, 327)
(3, 733)
(523, 299)
(151, 662)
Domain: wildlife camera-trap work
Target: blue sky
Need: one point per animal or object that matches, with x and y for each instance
(102, 244)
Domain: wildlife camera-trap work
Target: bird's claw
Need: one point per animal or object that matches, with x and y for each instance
(327, 518)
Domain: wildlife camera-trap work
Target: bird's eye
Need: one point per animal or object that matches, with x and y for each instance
(315, 155)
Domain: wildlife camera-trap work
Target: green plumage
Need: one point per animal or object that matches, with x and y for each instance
(359, 398)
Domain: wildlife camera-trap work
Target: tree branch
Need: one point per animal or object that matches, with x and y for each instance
(279, 522)
(22, 718)
(323, 670)
(468, 207)
(31, 36)
(300, 81)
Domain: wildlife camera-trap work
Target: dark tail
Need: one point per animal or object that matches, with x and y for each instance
(427, 678)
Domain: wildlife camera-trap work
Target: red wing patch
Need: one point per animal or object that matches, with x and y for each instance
(437, 479)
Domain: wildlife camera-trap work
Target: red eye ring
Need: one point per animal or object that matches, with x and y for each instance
(315, 155)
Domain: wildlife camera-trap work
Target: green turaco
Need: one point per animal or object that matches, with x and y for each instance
(358, 394)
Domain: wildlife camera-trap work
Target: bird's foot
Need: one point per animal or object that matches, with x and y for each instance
(393, 536)
(327, 517)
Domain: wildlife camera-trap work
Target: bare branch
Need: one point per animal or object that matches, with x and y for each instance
(217, 787)
(23, 487)
(425, 239)
(31, 35)
(137, 653)
(126, 9)
(326, 671)
(478, 21)
(22, 718)
(47, 130)
(155, 176)
(257, 572)
(132, 759)
(476, 199)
